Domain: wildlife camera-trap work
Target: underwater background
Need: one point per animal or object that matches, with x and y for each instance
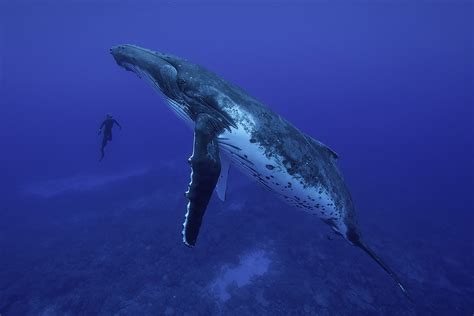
(387, 84)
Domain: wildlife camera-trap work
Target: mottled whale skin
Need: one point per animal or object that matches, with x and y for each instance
(231, 126)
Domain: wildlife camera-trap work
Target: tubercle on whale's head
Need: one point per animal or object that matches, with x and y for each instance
(187, 86)
(152, 66)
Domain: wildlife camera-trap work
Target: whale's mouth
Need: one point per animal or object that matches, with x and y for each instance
(130, 67)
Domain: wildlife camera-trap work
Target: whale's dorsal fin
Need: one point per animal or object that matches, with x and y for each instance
(206, 167)
(221, 186)
(318, 145)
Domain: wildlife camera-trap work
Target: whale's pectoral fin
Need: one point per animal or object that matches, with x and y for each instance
(206, 167)
(221, 186)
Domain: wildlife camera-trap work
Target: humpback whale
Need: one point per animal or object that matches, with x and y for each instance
(232, 128)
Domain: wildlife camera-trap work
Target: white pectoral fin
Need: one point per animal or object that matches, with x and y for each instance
(221, 186)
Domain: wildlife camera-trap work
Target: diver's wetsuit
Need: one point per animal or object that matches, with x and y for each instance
(107, 133)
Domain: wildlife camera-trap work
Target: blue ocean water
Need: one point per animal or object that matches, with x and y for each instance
(387, 84)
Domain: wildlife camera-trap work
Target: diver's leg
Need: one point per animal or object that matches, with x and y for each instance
(102, 153)
(104, 143)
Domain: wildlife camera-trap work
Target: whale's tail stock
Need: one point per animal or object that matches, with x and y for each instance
(359, 243)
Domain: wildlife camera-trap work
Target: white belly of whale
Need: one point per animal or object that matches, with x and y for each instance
(272, 174)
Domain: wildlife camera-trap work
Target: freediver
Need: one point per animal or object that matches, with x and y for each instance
(106, 128)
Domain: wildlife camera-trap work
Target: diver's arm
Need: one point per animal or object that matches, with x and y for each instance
(100, 128)
(115, 121)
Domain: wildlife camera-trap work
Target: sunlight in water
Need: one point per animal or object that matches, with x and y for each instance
(251, 265)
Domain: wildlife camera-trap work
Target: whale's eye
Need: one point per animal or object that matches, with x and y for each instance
(181, 82)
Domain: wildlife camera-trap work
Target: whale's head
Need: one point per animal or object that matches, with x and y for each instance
(179, 80)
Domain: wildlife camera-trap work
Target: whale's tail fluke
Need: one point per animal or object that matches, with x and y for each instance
(359, 243)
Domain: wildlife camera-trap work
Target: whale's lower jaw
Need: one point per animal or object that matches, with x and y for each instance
(250, 158)
(177, 108)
